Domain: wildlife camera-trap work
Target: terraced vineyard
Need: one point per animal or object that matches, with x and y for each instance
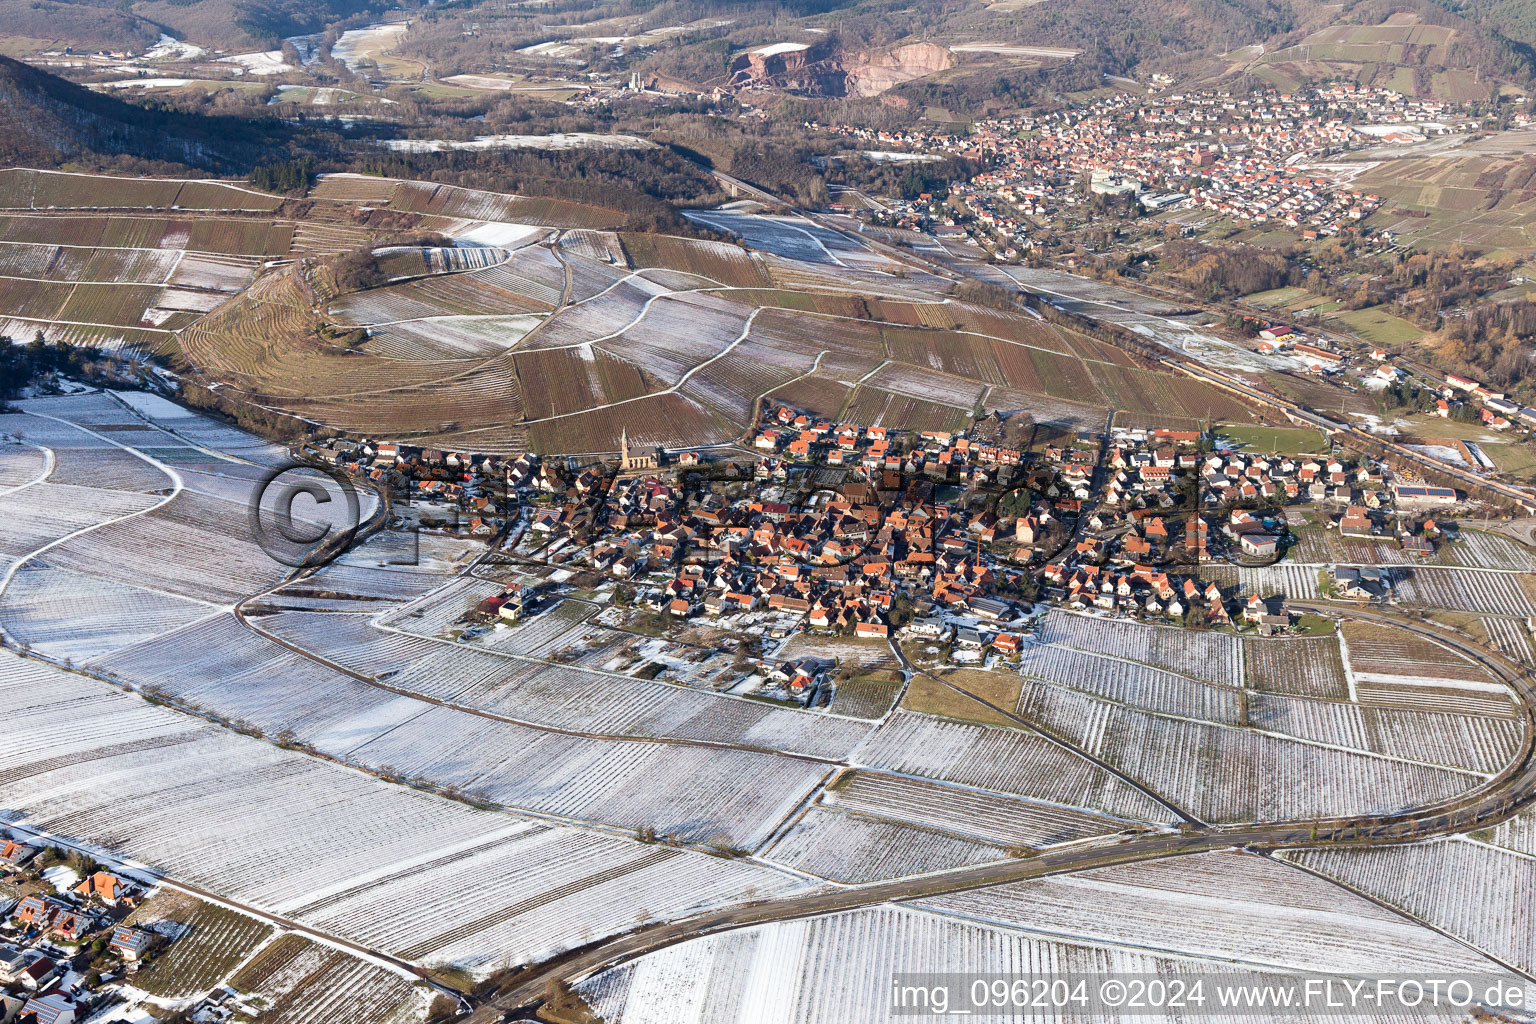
(677, 351)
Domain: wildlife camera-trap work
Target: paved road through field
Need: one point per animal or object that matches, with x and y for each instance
(1495, 800)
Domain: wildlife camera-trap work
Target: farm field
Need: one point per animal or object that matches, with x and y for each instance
(212, 943)
(677, 350)
(301, 854)
(1379, 327)
(1227, 906)
(1284, 440)
(1478, 893)
(839, 966)
(505, 751)
(851, 848)
(296, 980)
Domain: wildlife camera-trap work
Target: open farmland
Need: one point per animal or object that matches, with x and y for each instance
(327, 844)
(1483, 895)
(682, 347)
(212, 943)
(851, 848)
(296, 980)
(839, 966)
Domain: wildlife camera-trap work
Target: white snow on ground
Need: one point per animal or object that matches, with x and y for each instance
(1438, 682)
(359, 44)
(881, 156)
(494, 233)
(61, 877)
(147, 83)
(1481, 456)
(774, 49)
(1443, 452)
(561, 140)
(1017, 51)
(267, 62)
(173, 49)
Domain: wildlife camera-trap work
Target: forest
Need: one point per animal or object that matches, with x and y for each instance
(23, 365)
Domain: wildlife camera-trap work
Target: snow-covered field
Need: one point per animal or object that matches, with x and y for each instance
(296, 835)
(559, 140)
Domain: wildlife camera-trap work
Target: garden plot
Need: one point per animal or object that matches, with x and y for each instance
(733, 384)
(986, 817)
(532, 272)
(110, 468)
(470, 294)
(213, 943)
(211, 272)
(435, 613)
(1299, 666)
(186, 300)
(1131, 683)
(1284, 579)
(1483, 895)
(1392, 668)
(590, 279)
(1517, 833)
(75, 616)
(354, 188)
(1226, 906)
(1477, 743)
(1511, 637)
(20, 464)
(216, 559)
(865, 655)
(1384, 651)
(389, 305)
(561, 381)
(1003, 760)
(534, 632)
(566, 697)
(677, 333)
(943, 388)
(597, 246)
(1211, 656)
(204, 431)
(692, 792)
(1236, 775)
(1480, 549)
(789, 237)
(854, 849)
(298, 981)
(1467, 590)
(27, 259)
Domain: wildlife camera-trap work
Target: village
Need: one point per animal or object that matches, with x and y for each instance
(951, 545)
(1241, 157)
(66, 951)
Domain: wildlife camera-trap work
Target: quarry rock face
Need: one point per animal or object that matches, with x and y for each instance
(870, 74)
(819, 71)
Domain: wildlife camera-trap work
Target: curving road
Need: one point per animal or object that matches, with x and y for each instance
(1495, 800)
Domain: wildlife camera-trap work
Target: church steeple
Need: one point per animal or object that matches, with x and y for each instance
(624, 448)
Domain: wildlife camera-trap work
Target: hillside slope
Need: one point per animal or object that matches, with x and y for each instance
(45, 121)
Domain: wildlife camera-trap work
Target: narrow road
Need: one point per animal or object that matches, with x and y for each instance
(1495, 800)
